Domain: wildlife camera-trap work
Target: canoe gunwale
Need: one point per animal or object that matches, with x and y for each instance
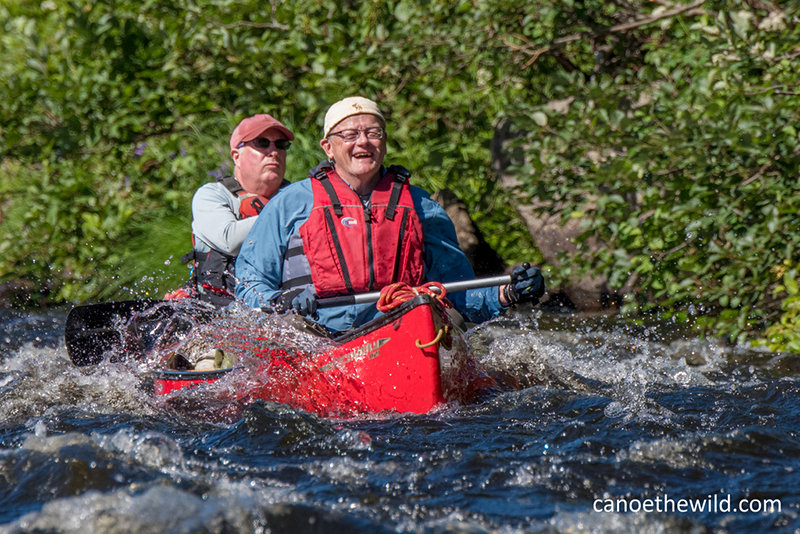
(388, 318)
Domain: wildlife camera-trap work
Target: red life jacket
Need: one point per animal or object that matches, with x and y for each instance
(250, 204)
(352, 248)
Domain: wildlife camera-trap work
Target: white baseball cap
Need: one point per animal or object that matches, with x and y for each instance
(352, 105)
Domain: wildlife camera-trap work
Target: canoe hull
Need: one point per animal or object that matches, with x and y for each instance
(390, 364)
(165, 381)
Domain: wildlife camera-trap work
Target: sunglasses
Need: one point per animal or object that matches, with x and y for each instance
(263, 143)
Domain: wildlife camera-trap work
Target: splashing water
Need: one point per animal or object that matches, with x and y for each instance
(602, 414)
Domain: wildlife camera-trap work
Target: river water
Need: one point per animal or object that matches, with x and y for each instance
(610, 418)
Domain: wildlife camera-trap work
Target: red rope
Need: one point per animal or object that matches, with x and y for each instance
(394, 295)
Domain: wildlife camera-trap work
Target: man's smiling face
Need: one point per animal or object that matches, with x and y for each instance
(360, 160)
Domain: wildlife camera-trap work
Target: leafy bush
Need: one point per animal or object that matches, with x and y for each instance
(114, 112)
(668, 130)
(684, 161)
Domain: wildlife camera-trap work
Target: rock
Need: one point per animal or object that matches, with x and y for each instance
(484, 259)
(550, 236)
(12, 293)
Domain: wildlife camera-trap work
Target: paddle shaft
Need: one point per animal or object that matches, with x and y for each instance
(450, 287)
(90, 330)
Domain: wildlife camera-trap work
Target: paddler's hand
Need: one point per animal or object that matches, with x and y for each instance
(303, 301)
(527, 285)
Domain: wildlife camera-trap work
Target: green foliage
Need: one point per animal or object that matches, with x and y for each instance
(114, 112)
(669, 131)
(684, 162)
(784, 335)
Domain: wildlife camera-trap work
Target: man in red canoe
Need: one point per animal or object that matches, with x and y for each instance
(224, 211)
(356, 226)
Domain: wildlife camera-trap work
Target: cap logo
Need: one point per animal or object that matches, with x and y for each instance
(349, 222)
(357, 106)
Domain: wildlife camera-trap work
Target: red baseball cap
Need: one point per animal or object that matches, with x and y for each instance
(254, 126)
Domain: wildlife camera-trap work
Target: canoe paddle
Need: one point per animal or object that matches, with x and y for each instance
(93, 329)
(450, 287)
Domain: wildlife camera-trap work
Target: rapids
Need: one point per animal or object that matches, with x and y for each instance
(609, 417)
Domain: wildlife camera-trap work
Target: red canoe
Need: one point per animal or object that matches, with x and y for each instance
(411, 359)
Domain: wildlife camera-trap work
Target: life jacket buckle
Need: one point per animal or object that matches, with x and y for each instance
(322, 170)
(401, 174)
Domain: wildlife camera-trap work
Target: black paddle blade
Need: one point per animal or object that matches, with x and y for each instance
(90, 330)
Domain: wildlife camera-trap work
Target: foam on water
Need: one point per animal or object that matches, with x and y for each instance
(38, 380)
(154, 509)
(601, 414)
(613, 523)
(192, 329)
(623, 367)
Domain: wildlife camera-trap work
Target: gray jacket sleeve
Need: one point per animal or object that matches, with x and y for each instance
(215, 223)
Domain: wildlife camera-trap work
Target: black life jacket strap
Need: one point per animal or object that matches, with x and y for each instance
(296, 282)
(292, 252)
(231, 184)
(401, 176)
(321, 174)
(339, 252)
(399, 253)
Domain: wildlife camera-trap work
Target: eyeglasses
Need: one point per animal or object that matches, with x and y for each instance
(350, 136)
(263, 143)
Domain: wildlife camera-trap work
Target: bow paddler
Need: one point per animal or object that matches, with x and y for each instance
(224, 211)
(357, 226)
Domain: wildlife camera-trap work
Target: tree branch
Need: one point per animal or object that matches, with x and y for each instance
(767, 90)
(788, 56)
(274, 25)
(618, 28)
(633, 24)
(757, 175)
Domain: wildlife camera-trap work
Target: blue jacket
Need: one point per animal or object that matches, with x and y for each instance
(260, 263)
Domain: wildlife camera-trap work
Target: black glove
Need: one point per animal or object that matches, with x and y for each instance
(303, 301)
(527, 285)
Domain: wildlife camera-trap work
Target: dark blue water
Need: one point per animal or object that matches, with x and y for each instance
(609, 418)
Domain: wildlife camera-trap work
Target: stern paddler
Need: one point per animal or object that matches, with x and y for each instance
(355, 226)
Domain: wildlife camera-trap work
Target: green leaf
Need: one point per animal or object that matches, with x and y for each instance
(539, 118)
(790, 282)
(404, 11)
